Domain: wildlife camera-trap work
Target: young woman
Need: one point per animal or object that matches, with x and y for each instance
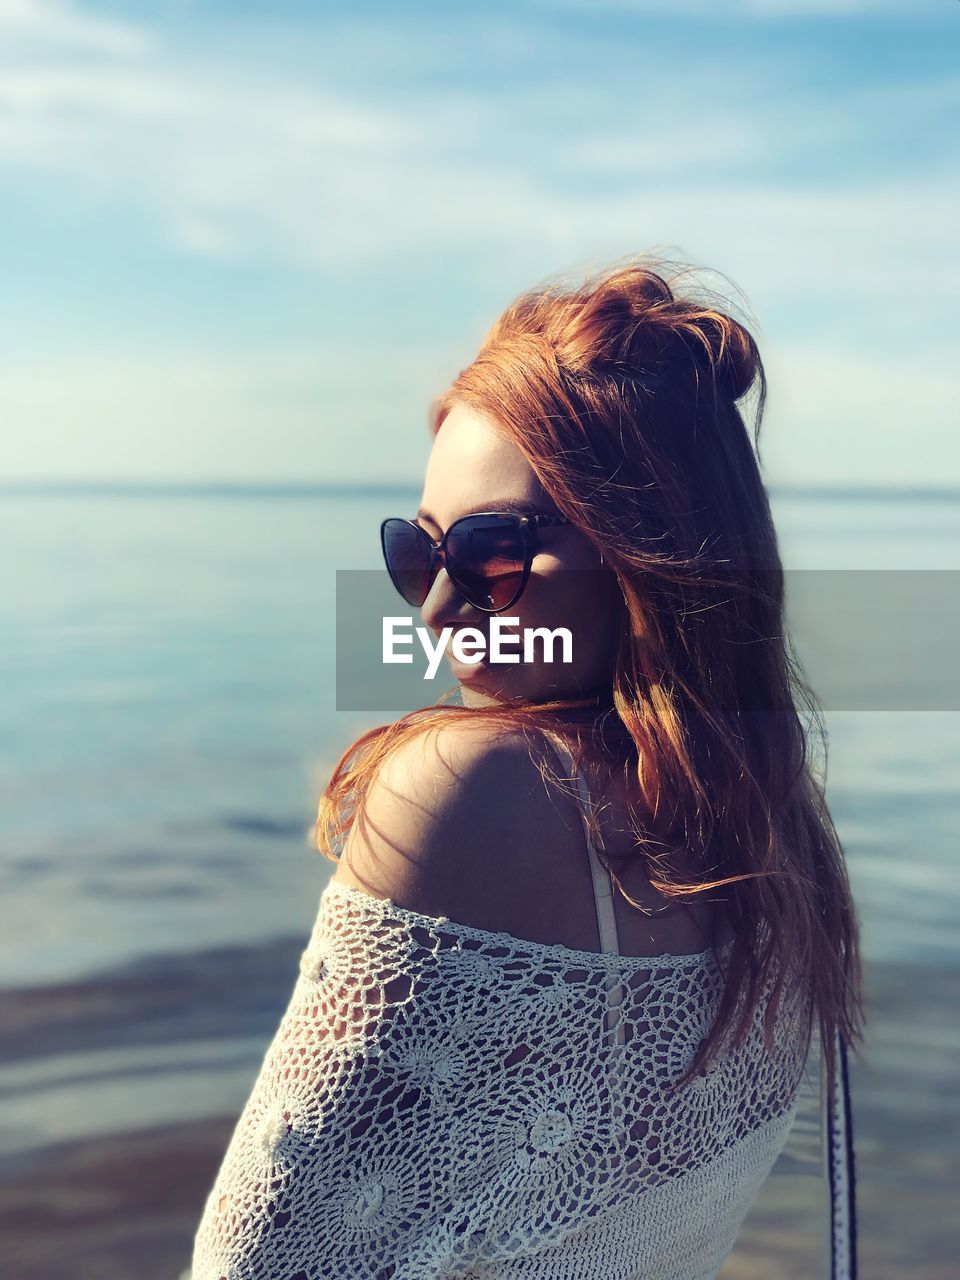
(522, 1044)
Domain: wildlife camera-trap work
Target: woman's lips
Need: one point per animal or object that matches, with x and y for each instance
(465, 671)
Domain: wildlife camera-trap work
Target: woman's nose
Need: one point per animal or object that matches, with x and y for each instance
(444, 606)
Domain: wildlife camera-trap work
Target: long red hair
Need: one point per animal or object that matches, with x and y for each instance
(624, 394)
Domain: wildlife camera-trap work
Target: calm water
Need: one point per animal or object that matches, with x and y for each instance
(168, 717)
(168, 723)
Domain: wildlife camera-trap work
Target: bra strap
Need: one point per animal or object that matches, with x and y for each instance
(836, 1118)
(602, 885)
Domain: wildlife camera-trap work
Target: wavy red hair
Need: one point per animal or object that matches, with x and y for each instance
(624, 394)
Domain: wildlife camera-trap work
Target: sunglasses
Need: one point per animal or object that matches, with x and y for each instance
(487, 557)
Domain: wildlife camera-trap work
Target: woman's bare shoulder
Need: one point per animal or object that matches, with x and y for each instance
(447, 824)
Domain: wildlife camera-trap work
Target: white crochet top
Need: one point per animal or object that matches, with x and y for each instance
(442, 1102)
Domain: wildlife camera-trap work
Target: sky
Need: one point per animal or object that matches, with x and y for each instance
(250, 241)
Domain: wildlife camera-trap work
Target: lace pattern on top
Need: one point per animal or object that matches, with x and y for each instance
(446, 1101)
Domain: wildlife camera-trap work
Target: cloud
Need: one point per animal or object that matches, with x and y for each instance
(300, 413)
(231, 161)
(48, 25)
(260, 168)
(246, 151)
(314, 413)
(845, 417)
(752, 9)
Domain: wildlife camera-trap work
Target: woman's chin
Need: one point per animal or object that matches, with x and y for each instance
(501, 682)
(470, 672)
(485, 682)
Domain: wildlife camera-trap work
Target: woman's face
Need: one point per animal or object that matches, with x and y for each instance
(472, 467)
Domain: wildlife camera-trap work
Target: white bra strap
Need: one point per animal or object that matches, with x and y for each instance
(602, 886)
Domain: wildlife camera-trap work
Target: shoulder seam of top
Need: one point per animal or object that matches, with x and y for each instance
(599, 959)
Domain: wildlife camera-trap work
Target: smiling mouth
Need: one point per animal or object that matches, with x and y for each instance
(464, 670)
(454, 661)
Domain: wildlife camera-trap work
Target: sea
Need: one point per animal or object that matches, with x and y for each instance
(169, 719)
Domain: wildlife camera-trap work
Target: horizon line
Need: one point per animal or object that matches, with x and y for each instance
(347, 487)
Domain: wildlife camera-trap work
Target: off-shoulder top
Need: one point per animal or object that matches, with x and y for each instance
(442, 1102)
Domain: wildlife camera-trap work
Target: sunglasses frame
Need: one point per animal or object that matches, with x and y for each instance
(529, 526)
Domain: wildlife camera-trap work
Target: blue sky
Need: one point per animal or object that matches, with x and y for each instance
(251, 241)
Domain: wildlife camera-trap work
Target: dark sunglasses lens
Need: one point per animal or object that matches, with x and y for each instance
(485, 558)
(406, 551)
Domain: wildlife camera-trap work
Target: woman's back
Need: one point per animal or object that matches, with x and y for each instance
(443, 1100)
(553, 900)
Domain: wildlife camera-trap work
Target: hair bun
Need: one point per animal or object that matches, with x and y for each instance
(731, 351)
(632, 318)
